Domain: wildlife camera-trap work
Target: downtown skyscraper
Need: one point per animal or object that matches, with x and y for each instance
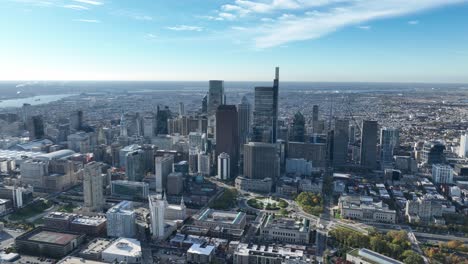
(369, 144)
(265, 117)
(389, 140)
(244, 111)
(227, 134)
(340, 142)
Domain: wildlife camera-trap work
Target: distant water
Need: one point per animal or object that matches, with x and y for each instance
(35, 100)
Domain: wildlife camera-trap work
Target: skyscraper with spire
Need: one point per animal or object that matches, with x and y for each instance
(265, 117)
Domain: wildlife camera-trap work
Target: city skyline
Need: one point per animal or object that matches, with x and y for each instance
(398, 41)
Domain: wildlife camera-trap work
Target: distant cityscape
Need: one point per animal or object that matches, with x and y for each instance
(166, 173)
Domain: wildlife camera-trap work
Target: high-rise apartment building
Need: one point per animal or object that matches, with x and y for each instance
(76, 120)
(389, 141)
(369, 144)
(224, 163)
(265, 116)
(121, 220)
(92, 187)
(157, 207)
(463, 150)
(163, 167)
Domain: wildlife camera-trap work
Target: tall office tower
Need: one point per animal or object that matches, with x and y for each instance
(121, 220)
(204, 164)
(389, 141)
(227, 137)
(224, 164)
(298, 128)
(193, 160)
(463, 150)
(197, 140)
(149, 153)
(115, 154)
(261, 161)
(442, 174)
(181, 109)
(215, 96)
(244, 111)
(92, 187)
(265, 116)
(123, 126)
(433, 152)
(36, 127)
(352, 134)
(134, 170)
(157, 206)
(204, 108)
(340, 142)
(315, 113)
(162, 116)
(64, 132)
(163, 166)
(369, 144)
(76, 120)
(148, 125)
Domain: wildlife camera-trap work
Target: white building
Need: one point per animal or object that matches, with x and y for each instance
(121, 220)
(200, 253)
(442, 174)
(224, 166)
(364, 208)
(463, 150)
(175, 211)
(163, 167)
(92, 187)
(157, 205)
(123, 250)
(197, 140)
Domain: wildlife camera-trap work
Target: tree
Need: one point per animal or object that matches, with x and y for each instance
(411, 257)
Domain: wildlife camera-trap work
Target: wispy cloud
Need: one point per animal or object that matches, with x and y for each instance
(364, 27)
(76, 7)
(313, 19)
(89, 2)
(185, 28)
(413, 22)
(150, 36)
(133, 15)
(87, 20)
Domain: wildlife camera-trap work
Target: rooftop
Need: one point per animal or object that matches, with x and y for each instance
(53, 237)
(124, 247)
(75, 260)
(201, 249)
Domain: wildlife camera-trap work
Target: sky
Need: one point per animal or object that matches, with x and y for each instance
(238, 40)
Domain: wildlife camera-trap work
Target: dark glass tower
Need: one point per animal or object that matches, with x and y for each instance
(298, 128)
(369, 144)
(340, 142)
(36, 127)
(265, 120)
(227, 134)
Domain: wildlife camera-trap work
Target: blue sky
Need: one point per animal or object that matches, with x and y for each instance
(311, 40)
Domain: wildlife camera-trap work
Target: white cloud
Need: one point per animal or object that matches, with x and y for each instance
(76, 7)
(185, 28)
(150, 36)
(413, 22)
(87, 20)
(89, 2)
(315, 24)
(227, 16)
(364, 27)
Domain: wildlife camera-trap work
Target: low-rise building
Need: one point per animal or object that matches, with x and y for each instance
(95, 248)
(273, 254)
(364, 208)
(46, 242)
(125, 250)
(285, 230)
(223, 219)
(423, 209)
(254, 185)
(130, 189)
(367, 256)
(200, 253)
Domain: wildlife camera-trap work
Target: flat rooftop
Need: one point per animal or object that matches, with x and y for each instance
(75, 260)
(53, 237)
(124, 247)
(221, 216)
